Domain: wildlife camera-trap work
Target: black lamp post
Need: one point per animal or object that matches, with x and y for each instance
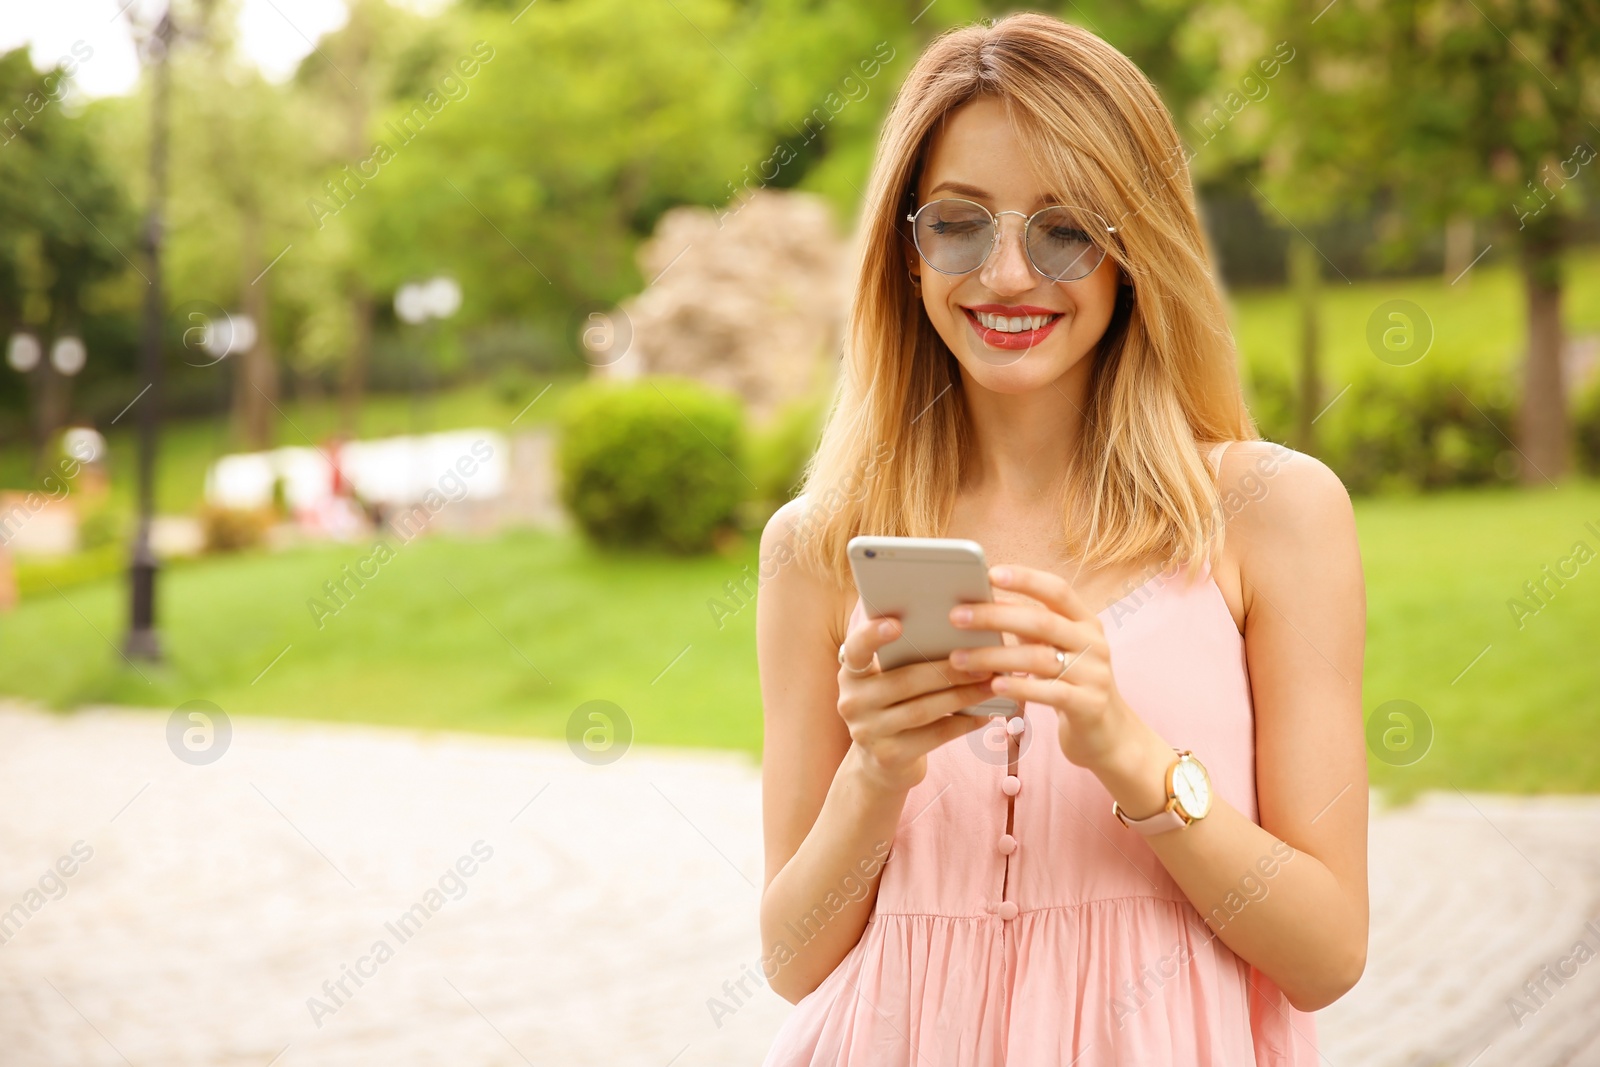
(142, 641)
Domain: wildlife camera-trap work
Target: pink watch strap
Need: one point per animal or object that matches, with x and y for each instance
(1159, 823)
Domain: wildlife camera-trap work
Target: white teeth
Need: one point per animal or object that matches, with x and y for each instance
(1012, 324)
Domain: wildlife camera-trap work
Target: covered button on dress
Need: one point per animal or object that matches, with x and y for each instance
(1018, 922)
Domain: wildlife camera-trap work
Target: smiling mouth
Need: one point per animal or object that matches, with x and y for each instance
(1010, 323)
(1011, 328)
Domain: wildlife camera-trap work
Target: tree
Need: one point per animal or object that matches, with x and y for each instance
(1435, 110)
(63, 223)
(238, 157)
(355, 74)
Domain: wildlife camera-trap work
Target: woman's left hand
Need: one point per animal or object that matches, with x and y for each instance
(1094, 719)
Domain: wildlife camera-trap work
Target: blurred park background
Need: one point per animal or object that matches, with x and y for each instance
(474, 343)
(1400, 198)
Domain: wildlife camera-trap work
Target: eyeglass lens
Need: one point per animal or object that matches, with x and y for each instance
(956, 236)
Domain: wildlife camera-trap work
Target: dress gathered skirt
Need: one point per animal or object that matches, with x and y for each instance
(1019, 922)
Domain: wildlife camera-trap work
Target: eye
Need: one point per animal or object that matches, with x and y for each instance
(1069, 235)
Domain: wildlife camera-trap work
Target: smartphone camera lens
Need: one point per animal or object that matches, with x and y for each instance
(871, 553)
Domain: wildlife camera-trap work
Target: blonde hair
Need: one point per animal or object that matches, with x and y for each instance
(1165, 376)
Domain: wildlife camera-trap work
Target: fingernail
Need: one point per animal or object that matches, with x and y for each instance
(886, 627)
(961, 615)
(959, 657)
(1000, 574)
(1000, 685)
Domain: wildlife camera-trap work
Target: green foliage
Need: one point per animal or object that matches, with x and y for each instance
(780, 450)
(654, 463)
(102, 523)
(1410, 428)
(65, 219)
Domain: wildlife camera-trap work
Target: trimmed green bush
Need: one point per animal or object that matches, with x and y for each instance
(234, 529)
(655, 463)
(780, 450)
(1403, 429)
(101, 523)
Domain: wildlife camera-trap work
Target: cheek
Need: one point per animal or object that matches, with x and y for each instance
(938, 299)
(1095, 298)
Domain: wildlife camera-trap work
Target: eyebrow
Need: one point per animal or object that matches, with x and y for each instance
(979, 194)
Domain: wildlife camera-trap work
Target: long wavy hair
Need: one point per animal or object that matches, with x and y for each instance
(1164, 383)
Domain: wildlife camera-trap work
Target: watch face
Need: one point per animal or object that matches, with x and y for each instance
(1192, 788)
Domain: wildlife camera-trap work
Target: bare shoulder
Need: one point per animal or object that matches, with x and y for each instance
(806, 596)
(1271, 493)
(783, 525)
(1291, 530)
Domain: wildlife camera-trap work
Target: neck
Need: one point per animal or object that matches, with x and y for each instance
(1024, 442)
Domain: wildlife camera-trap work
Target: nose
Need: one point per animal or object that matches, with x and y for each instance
(1008, 269)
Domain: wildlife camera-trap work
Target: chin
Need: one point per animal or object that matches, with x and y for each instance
(1014, 373)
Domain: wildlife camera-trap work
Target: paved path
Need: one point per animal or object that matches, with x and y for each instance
(616, 901)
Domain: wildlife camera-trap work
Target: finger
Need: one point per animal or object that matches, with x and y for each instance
(864, 640)
(1052, 590)
(1007, 659)
(919, 711)
(925, 739)
(915, 679)
(1055, 692)
(1030, 622)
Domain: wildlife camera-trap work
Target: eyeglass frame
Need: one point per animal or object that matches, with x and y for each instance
(994, 235)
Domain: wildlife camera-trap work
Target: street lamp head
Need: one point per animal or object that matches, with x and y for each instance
(444, 296)
(412, 304)
(436, 298)
(230, 334)
(68, 355)
(22, 353)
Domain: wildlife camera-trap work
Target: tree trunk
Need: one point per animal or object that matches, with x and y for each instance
(354, 384)
(1459, 237)
(52, 390)
(1305, 274)
(52, 409)
(1542, 423)
(255, 378)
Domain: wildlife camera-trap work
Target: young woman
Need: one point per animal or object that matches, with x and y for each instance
(1038, 359)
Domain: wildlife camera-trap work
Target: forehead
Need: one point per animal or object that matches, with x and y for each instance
(976, 153)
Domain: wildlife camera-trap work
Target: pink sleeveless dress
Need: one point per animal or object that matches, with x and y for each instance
(1018, 922)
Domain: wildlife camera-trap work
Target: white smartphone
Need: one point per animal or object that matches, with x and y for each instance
(918, 580)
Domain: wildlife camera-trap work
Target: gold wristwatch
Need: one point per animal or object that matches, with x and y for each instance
(1188, 798)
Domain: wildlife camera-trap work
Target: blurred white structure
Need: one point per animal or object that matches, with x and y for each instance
(750, 299)
(395, 471)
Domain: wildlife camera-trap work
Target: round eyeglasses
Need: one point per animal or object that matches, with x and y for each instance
(1063, 243)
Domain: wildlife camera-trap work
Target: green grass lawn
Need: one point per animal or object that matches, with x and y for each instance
(511, 635)
(505, 636)
(1440, 572)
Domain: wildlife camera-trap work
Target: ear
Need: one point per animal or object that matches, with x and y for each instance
(913, 264)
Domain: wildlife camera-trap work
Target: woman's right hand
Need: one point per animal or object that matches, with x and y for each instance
(897, 717)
